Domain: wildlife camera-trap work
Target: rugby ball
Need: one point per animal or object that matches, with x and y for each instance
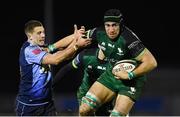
(125, 65)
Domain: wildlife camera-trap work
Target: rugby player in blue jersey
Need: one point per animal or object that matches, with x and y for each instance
(35, 97)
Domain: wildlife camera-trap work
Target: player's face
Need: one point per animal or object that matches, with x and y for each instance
(38, 36)
(112, 29)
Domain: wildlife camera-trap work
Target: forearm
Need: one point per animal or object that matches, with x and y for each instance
(60, 56)
(66, 53)
(64, 42)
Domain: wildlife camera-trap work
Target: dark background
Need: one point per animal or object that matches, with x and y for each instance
(155, 22)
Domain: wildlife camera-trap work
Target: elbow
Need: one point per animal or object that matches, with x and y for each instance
(57, 61)
(153, 64)
(54, 62)
(53, 59)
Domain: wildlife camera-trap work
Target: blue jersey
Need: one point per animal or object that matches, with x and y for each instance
(35, 82)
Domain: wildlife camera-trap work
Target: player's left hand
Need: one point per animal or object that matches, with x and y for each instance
(81, 42)
(81, 30)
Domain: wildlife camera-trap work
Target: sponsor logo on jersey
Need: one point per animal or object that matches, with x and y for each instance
(90, 66)
(120, 52)
(112, 60)
(101, 67)
(36, 51)
(103, 43)
(133, 44)
(132, 90)
(110, 45)
(101, 47)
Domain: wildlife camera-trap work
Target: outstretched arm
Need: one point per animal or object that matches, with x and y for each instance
(68, 52)
(66, 41)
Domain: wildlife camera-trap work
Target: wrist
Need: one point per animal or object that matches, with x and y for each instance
(131, 75)
(52, 48)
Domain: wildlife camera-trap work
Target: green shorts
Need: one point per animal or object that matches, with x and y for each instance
(131, 88)
(83, 89)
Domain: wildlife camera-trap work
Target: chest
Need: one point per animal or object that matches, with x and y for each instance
(113, 50)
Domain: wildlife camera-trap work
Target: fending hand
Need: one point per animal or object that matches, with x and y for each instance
(78, 32)
(81, 42)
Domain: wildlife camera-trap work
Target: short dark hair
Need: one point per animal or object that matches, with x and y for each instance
(30, 25)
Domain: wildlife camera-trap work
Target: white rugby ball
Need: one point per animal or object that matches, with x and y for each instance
(125, 65)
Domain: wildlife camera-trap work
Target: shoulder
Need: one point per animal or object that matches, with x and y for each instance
(34, 50)
(128, 34)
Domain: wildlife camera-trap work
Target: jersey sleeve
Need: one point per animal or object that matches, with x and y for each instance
(134, 44)
(34, 54)
(83, 58)
(77, 61)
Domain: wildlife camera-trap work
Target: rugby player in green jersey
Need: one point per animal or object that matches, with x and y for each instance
(88, 62)
(117, 42)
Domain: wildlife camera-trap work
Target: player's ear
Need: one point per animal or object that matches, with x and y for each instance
(29, 36)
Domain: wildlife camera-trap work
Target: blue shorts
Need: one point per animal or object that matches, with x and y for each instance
(47, 109)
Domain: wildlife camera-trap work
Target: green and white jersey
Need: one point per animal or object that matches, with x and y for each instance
(88, 61)
(126, 46)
